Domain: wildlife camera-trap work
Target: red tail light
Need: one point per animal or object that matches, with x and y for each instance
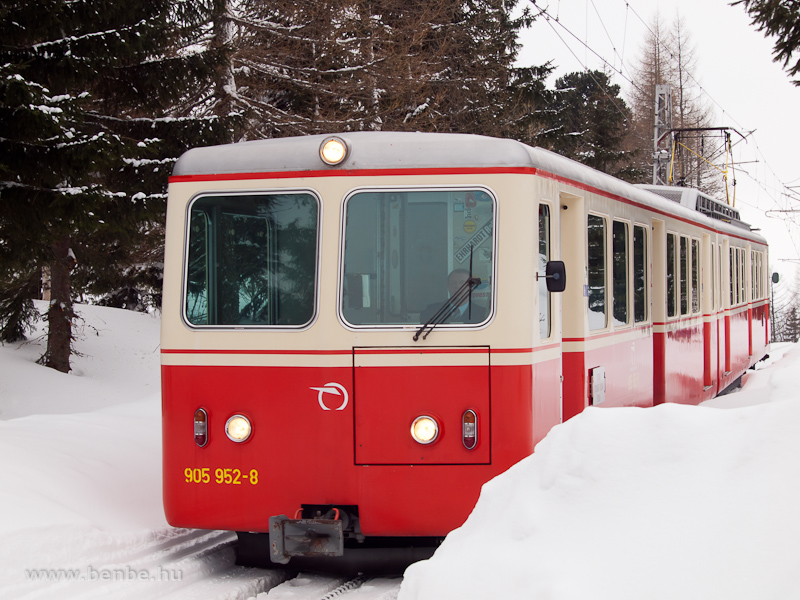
(469, 429)
(200, 427)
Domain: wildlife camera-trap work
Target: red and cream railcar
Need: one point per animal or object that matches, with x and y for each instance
(357, 333)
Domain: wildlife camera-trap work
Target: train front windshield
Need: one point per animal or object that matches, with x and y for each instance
(403, 251)
(251, 260)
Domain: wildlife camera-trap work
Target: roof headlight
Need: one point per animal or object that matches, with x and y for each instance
(333, 150)
(424, 430)
(238, 428)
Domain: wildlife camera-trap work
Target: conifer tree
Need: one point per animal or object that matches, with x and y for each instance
(592, 122)
(780, 19)
(528, 113)
(338, 65)
(82, 158)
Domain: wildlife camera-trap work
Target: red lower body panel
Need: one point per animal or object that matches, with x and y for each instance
(303, 448)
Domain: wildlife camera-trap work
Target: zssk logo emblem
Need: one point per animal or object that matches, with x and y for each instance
(334, 389)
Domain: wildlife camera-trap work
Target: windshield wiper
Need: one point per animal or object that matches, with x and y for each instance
(450, 306)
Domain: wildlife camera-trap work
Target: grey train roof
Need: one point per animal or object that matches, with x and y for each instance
(413, 150)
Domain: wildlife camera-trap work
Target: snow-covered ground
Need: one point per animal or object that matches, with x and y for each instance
(671, 502)
(80, 484)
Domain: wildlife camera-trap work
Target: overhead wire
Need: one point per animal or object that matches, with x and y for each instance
(608, 35)
(704, 91)
(610, 98)
(783, 190)
(549, 20)
(699, 85)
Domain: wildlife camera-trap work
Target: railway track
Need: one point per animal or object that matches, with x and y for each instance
(173, 564)
(308, 586)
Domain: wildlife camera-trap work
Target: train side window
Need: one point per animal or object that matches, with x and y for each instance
(544, 256)
(759, 271)
(733, 277)
(718, 286)
(758, 274)
(619, 244)
(684, 270)
(672, 263)
(739, 295)
(695, 276)
(739, 282)
(251, 260)
(742, 278)
(713, 278)
(596, 244)
(737, 277)
(639, 273)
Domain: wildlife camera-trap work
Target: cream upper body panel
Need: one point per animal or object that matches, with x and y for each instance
(518, 177)
(514, 321)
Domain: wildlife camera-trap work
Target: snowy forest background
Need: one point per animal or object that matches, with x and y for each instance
(98, 99)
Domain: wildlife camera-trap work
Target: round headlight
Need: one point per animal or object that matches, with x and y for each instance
(333, 150)
(238, 428)
(425, 430)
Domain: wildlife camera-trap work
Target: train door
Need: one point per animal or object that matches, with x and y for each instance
(749, 256)
(708, 299)
(573, 308)
(659, 308)
(727, 302)
(548, 369)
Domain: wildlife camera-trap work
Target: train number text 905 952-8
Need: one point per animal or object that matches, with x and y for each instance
(221, 476)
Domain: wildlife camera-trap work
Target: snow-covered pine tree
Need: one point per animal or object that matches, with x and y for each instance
(473, 79)
(83, 160)
(529, 111)
(780, 19)
(592, 123)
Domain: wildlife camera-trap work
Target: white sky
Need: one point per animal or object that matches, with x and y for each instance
(734, 65)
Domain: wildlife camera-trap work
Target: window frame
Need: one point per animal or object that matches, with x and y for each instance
(244, 193)
(695, 280)
(713, 277)
(733, 277)
(743, 275)
(411, 189)
(674, 260)
(627, 271)
(645, 273)
(542, 280)
(684, 276)
(606, 241)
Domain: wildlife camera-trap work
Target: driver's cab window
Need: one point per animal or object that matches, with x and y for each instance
(406, 252)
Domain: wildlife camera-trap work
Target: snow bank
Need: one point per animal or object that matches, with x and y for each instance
(65, 467)
(77, 484)
(625, 503)
(119, 362)
(80, 494)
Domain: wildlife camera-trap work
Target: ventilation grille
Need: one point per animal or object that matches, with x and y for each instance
(673, 195)
(716, 210)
